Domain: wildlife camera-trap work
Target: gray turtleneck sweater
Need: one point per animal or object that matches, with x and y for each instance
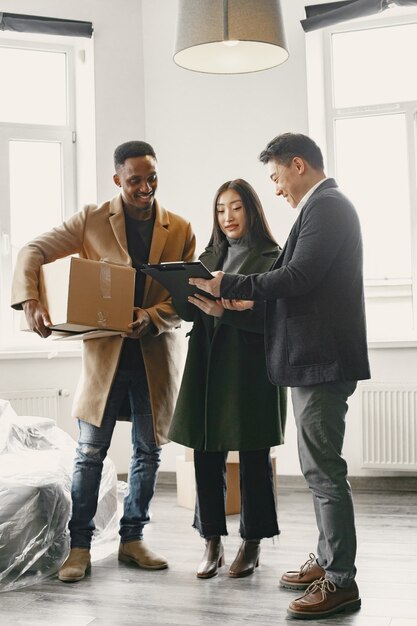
(236, 254)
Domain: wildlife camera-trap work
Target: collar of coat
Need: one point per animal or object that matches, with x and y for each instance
(328, 183)
(160, 230)
(258, 253)
(161, 214)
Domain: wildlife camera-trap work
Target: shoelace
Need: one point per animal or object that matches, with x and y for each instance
(322, 584)
(311, 561)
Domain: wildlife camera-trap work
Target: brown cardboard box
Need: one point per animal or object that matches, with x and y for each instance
(82, 295)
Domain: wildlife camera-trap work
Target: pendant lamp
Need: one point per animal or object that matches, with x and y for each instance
(230, 36)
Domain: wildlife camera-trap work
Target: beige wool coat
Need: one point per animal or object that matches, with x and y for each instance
(98, 233)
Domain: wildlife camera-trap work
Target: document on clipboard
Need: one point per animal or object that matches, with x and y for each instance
(174, 277)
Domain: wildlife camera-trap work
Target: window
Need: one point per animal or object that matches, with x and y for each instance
(370, 102)
(38, 152)
(39, 86)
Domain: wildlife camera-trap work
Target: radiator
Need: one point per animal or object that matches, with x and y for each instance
(389, 426)
(38, 402)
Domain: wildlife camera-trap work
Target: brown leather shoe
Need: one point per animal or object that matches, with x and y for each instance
(302, 578)
(138, 552)
(246, 559)
(213, 558)
(76, 565)
(323, 599)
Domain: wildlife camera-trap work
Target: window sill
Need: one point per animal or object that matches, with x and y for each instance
(29, 353)
(12, 354)
(392, 344)
(388, 289)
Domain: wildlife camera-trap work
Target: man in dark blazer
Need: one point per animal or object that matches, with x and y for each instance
(315, 337)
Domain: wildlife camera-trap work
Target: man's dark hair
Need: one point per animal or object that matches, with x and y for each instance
(132, 149)
(289, 145)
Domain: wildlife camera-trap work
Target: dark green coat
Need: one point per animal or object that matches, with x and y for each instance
(226, 401)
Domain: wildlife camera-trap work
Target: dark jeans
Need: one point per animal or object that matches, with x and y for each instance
(92, 449)
(258, 515)
(320, 412)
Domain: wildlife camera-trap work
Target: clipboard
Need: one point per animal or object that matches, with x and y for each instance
(174, 277)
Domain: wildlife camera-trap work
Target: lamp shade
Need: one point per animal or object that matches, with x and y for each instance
(230, 36)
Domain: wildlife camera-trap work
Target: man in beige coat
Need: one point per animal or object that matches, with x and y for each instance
(132, 377)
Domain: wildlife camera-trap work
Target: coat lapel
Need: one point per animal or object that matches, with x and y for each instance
(159, 238)
(259, 259)
(117, 222)
(160, 234)
(213, 259)
(328, 183)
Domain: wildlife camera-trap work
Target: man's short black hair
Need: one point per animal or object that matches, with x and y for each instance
(285, 147)
(131, 149)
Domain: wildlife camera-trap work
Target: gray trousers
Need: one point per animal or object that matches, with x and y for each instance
(320, 412)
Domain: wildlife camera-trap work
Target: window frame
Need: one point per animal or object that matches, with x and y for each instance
(320, 77)
(66, 136)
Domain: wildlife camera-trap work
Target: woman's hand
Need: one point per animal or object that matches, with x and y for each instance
(141, 326)
(237, 305)
(211, 307)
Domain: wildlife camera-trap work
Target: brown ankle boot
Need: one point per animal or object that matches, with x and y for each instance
(76, 565)
(213, 558)
(138, 552)
(246, 559)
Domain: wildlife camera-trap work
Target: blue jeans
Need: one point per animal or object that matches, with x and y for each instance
(320, 412)
(92, 449)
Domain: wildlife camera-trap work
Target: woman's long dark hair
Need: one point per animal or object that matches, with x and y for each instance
(257, 226)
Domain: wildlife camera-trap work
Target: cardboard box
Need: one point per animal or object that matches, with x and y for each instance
(186, 481)
(82, 295)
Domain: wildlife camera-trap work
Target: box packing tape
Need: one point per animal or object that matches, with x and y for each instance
(105, 280)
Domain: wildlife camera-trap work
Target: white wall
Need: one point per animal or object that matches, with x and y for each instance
(119, 83)
(205, 130)
(119, 116)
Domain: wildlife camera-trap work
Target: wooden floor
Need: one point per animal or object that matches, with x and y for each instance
(122, 595)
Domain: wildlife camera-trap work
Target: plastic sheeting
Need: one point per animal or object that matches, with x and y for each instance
(36, 463)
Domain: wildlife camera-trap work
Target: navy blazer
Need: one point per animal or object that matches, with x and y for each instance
(315, 329)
